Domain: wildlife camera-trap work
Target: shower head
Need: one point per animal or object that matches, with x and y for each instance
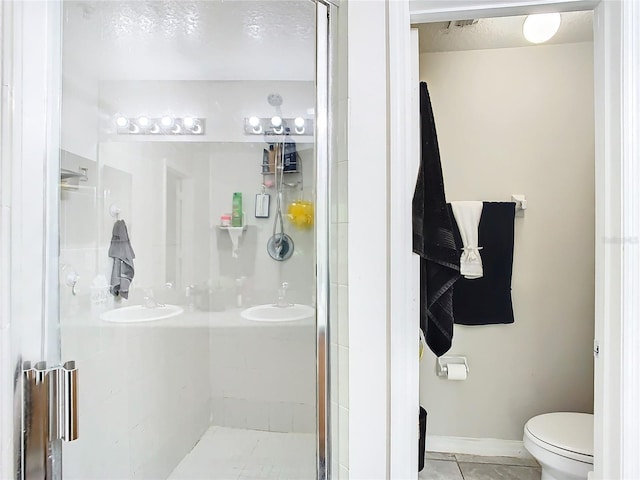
(274, 99)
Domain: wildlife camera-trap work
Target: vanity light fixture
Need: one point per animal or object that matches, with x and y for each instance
(276, 121)
(541, 27)
(277, 125)
(122, 122)
(299, 123)
(166, 121)
(255, 124)
(165, 125)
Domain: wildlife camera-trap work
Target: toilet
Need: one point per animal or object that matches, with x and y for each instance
(562, 443)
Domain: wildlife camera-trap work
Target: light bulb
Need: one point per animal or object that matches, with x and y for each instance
(188, 122)
(143, 121)
(299, 122)
(166, 121)
(122, 122)
(276, 121)
(541, 27)
(254, 121)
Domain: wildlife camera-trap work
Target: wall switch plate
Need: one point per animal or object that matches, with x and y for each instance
(262, 205)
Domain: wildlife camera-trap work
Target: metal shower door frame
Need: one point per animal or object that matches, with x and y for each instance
(31, 88)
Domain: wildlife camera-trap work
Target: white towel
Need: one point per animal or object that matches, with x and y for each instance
(467, 215)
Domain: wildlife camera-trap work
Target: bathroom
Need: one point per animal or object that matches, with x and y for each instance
(514, 117)
(367, 389)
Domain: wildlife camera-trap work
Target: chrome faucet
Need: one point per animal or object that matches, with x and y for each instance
(150, 300)
(282, 293)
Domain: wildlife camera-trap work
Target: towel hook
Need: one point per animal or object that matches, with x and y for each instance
(114, 211)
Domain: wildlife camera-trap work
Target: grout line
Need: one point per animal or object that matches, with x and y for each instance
(459, 469)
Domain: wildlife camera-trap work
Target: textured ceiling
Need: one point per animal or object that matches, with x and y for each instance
(191, 40)
(503, 32)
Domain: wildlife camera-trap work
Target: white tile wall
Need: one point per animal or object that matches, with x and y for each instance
(340, 263)
(6, 349)
(142, 398)
(237, 168)
(144, 391)
(262, 378)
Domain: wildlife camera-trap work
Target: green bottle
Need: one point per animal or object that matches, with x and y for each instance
(236, 210)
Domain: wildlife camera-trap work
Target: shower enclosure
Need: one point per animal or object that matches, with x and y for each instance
(185, 315)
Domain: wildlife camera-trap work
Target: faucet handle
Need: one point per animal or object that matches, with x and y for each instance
(285, 285)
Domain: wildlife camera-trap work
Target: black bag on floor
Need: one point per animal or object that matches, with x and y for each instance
(423, 434)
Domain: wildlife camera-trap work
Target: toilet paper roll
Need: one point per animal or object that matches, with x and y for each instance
(456, 372)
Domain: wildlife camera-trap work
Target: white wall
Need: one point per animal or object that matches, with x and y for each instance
(509, 121)
(367, 236)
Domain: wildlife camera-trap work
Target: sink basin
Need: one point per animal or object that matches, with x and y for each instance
(140, 313)
(273, 313)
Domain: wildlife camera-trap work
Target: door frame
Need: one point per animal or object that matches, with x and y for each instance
(617, 306)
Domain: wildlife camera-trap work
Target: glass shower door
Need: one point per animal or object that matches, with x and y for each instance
(192, 229)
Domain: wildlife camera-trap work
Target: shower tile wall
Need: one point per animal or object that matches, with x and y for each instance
(339, 325)
(144, 404)
(7, 353)
(261, 378)
(133, 378)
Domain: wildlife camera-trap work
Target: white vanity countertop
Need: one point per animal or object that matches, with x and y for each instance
(228, 319)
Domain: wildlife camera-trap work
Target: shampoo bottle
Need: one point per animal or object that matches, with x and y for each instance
(236, 210)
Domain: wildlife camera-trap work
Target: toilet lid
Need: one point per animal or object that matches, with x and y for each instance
(570, 432)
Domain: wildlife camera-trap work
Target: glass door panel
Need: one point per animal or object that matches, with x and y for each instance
(187, 237)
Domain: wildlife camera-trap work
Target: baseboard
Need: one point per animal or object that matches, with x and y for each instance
(489, 447)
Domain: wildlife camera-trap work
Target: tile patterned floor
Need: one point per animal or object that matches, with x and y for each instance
(450, 466)
(234, 454)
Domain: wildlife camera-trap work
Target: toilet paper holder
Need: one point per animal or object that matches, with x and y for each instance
(442, 364)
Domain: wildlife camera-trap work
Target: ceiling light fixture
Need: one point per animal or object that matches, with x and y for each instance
(541, 27)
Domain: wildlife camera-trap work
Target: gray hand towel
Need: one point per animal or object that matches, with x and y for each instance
(122, 253)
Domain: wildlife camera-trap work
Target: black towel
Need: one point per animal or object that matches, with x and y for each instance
(487, 300)
(433, 238)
